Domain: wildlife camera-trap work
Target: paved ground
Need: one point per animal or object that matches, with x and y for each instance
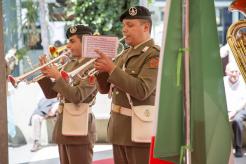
(49, 154)
(241, 160)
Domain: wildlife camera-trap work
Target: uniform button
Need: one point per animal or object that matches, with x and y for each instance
(117, 92)
(133, 71)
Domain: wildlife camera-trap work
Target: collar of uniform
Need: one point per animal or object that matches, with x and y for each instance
(141, 43)
(77, 59)
(140, 47)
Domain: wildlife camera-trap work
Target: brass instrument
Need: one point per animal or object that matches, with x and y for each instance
(236, 36)
(79, 72)
(36, 75)
(87, 67)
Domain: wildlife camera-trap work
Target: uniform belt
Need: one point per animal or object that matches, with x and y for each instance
(121, 110)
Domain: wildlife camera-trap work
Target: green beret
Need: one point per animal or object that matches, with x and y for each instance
(136, 12)
(78, 30)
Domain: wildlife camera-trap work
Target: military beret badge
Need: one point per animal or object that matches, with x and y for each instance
(133, 11)
(73, 29)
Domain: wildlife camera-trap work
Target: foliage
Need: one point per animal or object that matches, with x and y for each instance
(29, 23)
(21, 52)
(150, 1)
(101, 15)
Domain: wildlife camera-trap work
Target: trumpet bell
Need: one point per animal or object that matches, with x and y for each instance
(238, 5)
(56, 51)
(13, 80)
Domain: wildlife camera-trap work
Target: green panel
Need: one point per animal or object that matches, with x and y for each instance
(210, 129)
(210, 126)
(169, 136)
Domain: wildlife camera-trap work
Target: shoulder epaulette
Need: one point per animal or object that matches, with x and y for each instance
(157, 47)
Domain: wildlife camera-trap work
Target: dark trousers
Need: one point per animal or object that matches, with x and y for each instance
(75, 154)
(130, 154)
(238, 127)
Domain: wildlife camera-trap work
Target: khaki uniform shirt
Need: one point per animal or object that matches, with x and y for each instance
(81, 91)
(139, 80)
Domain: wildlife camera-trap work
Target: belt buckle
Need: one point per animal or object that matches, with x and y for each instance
(116, 108)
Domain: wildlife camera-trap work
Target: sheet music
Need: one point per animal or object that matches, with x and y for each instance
(106, 44)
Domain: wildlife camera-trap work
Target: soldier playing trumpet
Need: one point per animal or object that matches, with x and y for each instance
(135, 73)
(72, 149)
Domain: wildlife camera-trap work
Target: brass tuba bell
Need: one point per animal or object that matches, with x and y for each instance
(236, 36)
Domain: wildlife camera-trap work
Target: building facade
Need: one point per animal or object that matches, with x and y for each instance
(224, 17)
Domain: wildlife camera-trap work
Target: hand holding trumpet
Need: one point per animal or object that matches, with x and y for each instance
(50, 70)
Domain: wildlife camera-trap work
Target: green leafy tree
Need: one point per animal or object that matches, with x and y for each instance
(29, 23)
(28, 27)
(101, 15)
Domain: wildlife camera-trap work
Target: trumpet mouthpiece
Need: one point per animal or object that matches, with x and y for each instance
(124, 37)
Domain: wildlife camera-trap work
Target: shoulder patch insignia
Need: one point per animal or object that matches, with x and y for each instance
(145, 49)
(154, 63)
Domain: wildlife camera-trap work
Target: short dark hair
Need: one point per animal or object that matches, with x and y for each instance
(147, 21)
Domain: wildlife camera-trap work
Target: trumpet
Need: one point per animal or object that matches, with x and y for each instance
(80, 71)
(77, 72)
(35, 74)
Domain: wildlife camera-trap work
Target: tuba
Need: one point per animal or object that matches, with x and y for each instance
(236, 36)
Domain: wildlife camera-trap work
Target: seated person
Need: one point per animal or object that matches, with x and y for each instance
(235, 90)
(46, 108)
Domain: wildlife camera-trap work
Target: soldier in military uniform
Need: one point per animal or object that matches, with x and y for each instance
(72, 149)
(138, 79)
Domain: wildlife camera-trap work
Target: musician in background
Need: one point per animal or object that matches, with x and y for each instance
(235, 90)
(72, 149)
(135, 73)
(9, 66)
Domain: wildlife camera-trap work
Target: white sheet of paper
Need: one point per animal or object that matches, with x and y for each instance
(106, 44)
